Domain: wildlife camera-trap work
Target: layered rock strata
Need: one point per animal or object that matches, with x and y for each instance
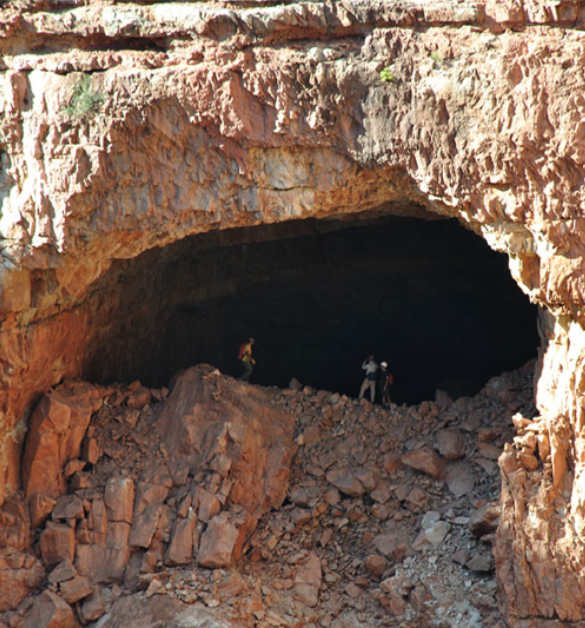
(126, 126)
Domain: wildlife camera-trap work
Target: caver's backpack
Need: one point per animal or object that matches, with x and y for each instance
(241, 351)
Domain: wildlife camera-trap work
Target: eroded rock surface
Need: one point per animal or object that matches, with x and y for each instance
(349, 533)
(126, 126)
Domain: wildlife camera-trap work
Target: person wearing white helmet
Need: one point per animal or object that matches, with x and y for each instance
(385, 381)
(370, 366)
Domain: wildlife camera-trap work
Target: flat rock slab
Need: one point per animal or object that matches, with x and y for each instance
(163, 611)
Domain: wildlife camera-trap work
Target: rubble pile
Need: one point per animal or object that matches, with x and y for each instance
(220, 503)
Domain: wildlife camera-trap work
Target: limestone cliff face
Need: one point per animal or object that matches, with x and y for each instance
(125, 126)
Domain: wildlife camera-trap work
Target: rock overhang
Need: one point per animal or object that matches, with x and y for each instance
(478, 120)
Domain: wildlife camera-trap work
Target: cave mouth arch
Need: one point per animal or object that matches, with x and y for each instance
(428, 296)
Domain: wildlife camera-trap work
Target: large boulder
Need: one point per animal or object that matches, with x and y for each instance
(203, 421)
(57, 428)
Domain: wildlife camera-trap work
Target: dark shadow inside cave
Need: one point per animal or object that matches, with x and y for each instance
(427, 296)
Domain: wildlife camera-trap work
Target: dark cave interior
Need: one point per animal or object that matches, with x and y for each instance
(428, 296)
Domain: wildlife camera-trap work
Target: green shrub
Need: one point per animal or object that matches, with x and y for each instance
(85, 100)
(387, 76)
(436, 57)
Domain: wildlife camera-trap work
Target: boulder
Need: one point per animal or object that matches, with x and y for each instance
(346, 481)
(57, 428)
(451, 444)
(201, 420)
(75, 589)
(459, 478)
(50, 611)
(308, 580)
(40, 507)
(20, 575)
(57, 543)
(218, 543)
(426, 460)
(119, 499)
(180, 550)
(91, 607)
(485, 520)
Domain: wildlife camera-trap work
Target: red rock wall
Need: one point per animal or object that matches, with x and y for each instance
(193, 117)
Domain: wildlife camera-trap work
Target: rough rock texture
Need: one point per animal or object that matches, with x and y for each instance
(403, 549)
(126, 126)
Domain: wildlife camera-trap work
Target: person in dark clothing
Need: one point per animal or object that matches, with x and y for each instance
(385, 380)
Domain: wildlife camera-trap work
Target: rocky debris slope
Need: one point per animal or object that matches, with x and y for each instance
(230, 504)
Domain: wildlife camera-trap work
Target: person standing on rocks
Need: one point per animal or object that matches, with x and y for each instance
(245, 357)
(385, 380)
(370, 366)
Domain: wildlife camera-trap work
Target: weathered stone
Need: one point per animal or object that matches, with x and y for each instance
(62, 572)
(489, 451)
(41, 507)
(139, 398)
(308, 579)
(180, 550)
(90, 450)
(261, 437)
(346, 482)
(119, 499)
(376, 564)
(459, 478)
(16, 583)
(481, 563)
(368, 478)
(381, 493)
(433, 532)
(97, 521)
(15, 527)
(102, 565)
(50, 611)
(117, 534)
(209, 505)
(484, 520)
(56, 430)
(148, 494)
(75, 589)
(451, 444)
(426, 460)
(73, 466)
(57, 543)
(68, 507)
(145, 525)
(91, 607)
(218, 543)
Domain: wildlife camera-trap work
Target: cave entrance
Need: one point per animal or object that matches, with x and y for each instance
(429, 297)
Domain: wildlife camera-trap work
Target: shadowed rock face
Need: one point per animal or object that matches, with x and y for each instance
(124, 127)
(429, 297)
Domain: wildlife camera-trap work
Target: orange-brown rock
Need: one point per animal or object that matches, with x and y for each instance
(426, 460)
(56, 431)
(197, 424)
(57, 543)
(20, 575)
(50, 611)
(263, 114)
(218, 543)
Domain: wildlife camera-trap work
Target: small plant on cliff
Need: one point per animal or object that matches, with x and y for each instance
(436, 57)
(84, 100)
(387, 76)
